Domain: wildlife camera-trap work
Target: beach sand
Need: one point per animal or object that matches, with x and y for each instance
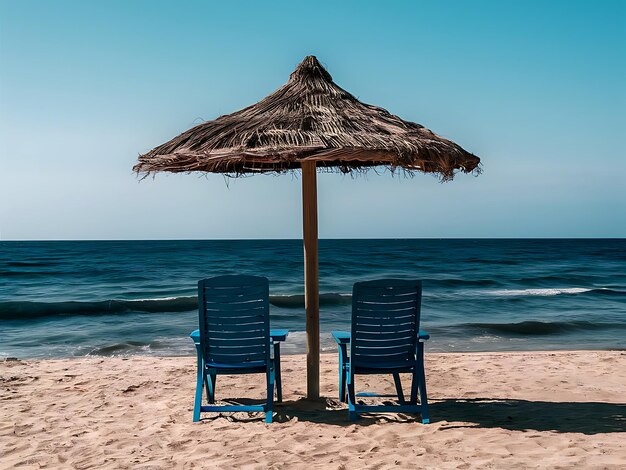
(488, 410)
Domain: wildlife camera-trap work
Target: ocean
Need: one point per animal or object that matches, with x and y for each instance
(75, 298)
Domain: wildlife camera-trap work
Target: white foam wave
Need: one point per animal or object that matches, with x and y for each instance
(157, 299)
(540, 292)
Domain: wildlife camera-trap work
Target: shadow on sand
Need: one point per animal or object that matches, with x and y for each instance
(519, 415)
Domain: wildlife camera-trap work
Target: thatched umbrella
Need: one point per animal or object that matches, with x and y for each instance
(307, 123)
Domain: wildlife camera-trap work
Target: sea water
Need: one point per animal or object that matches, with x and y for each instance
(74, 298)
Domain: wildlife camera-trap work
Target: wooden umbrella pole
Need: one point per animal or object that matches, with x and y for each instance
(311, 285)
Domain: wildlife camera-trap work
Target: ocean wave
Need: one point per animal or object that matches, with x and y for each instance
(182, 346)
(12, 310)
(30, 309)
(297, 300)
(30, 264)
(547, 292)
(541, 292)
(29, 273)
(608, 292)
(156, 347)
(543, 328)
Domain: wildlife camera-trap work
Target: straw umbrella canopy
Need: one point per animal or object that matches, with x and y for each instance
(308, 123)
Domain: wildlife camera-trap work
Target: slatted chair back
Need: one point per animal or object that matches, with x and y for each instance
(385, 322)
(234, 320)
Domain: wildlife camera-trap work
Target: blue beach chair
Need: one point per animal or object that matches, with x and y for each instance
(385, 339)
(235, 338)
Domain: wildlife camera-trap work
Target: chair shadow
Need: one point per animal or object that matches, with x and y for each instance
(323, 411)
(516, 415)
(521, 415)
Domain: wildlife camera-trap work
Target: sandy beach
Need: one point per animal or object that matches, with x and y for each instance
(489, 410)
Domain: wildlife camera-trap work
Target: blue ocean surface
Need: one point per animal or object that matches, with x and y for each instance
(75, 298)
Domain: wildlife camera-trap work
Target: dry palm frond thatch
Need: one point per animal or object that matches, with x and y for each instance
(309, 118)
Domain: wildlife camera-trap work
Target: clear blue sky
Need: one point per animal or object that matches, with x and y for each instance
(536, 89)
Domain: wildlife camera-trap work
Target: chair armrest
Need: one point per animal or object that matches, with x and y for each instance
(278, 335)
(341, 337)
(195, 336)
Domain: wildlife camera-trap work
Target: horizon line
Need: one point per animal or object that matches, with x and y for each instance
(295, 239)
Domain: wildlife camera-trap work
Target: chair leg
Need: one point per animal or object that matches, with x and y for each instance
(209, 382)
(352, 414)
(414, 386)
(398, 382)
(197, 405)
(342, 372)
(422, 383)
(279, 381)
(207, 388)
(269, 407)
